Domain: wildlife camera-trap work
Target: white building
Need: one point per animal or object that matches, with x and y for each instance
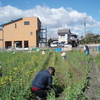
(64, 35)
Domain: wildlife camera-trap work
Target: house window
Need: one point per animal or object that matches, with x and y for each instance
(1, 39)
(31, 33)
(15, 25)
(62, 35)
(26, 23)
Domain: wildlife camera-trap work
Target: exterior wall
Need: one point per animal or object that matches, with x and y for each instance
(1, 41)
(64, 38)
(68, 36)
(22, 32)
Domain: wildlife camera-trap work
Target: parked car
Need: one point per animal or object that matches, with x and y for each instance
(53, 45)
(60, 45)
(66, 45)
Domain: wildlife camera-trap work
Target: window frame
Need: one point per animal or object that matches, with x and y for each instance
(26, 22)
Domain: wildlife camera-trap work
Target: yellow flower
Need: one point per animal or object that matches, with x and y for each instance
(34, 70)
(15, 68)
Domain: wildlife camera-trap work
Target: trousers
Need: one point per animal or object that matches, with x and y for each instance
(42, 93)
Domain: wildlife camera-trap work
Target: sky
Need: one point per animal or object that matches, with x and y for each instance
(55, 14)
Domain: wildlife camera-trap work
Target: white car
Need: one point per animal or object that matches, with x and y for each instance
(60, 45)
(66, 45)
(53, 44)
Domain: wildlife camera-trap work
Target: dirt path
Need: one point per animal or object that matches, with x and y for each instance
(93, 92)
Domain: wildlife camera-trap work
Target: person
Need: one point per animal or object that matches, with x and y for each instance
(43, 52)
(86, 49)
(0, 74)
(63, 55)
(0, 70)
(42, 82)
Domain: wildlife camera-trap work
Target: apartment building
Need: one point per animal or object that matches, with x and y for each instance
(22, 33)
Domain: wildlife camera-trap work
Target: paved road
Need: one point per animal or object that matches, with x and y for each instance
(91, 45)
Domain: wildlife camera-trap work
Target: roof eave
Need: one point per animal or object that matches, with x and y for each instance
(10, 22)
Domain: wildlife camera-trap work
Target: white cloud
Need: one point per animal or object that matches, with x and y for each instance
(8, 13)
(51, 17)
(27, 2)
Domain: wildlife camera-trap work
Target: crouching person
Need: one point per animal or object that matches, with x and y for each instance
(86, 49)
(41, 81)
(63, 55)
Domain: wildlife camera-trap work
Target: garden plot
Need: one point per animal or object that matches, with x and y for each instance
(19, 70)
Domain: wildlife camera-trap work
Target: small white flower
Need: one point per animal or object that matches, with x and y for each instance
(0, 66)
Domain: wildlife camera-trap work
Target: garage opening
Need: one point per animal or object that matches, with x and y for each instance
(26, 44)
(8, 44)
(18, 44)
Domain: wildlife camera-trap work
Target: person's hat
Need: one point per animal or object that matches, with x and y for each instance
(52, 69)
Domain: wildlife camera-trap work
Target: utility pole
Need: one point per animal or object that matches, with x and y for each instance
(58, 25)
(85, 26)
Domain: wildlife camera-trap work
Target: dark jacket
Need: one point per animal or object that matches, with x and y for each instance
(0, 74)
(86, 47)
(42, 79)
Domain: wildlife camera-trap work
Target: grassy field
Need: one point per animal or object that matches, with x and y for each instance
(19, 69)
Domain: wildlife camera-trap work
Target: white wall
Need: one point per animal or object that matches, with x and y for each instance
(63, 38)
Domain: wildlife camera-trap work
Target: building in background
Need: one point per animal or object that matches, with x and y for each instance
(65, 35)
(22, 33)
(74, 39)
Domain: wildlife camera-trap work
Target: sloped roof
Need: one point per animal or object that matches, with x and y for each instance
(63, 31)
(10, 22)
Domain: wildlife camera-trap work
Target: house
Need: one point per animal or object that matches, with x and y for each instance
(74, 39)
(65, 35)
(23, 33)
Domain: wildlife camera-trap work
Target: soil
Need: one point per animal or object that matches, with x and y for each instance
(93, 90)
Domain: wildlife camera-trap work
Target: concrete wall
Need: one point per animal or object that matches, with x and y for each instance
(93, 48)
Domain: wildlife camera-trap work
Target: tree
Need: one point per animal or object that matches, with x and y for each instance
(81, 37)
(89, 35)
(49, 41)
(90, 39)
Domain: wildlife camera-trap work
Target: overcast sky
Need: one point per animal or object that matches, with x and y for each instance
(55, 14)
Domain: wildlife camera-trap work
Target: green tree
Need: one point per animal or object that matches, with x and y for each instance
(49, 41)
(69, 42)
(89, 35)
